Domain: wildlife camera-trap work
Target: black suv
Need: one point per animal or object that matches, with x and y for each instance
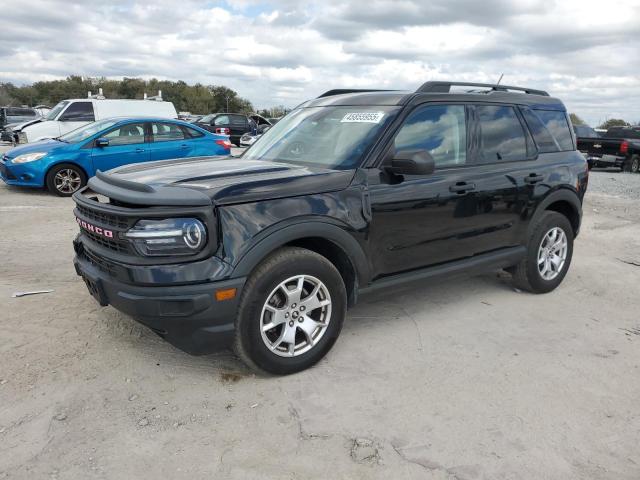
(233, 124)
(349, 193)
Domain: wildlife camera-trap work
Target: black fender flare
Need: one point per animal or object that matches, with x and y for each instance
(561, 195)
(298, 231)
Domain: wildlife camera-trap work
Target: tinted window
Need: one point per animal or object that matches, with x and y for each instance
(221, 120)
(166, 132)
(543, 138)
(128, 134)
(237, 120)
(556, 123)
(585, 132)
(78, 112)
(192, 132)
(502, 138)
(440, 129)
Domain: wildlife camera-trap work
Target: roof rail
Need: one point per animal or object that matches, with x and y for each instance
(340, 91)
(445, 87)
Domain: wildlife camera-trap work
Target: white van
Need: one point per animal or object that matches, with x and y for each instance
(71, 114)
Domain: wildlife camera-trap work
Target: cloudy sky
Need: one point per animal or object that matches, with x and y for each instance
(283, 52)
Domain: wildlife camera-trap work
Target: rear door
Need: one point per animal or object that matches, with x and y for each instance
(127, 144)
(168, 140)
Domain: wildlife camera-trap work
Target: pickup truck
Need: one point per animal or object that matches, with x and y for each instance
(619, 147)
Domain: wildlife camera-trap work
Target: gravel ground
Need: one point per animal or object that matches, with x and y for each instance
(615, 183)
(465, 379)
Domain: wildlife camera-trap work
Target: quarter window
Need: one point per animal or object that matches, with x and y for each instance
(129, 134)
(439, 129)
(192, 132)
(556, 123)
(543, 138)
(78, 112)
(502, 138)
(166, 132)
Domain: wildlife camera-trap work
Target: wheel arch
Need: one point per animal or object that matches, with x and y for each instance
(565, 202)
(326, 239)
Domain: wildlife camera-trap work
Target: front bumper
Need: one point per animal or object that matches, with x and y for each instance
(26, 174)
(187, 316)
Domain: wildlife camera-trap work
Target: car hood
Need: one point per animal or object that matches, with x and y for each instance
(20, 125)
(235, 180)
(49, 146)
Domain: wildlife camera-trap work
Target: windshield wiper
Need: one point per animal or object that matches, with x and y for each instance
(60, 139)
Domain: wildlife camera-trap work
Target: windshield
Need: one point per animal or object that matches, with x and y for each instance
(56, 110)
(82, 133)
(329, 137)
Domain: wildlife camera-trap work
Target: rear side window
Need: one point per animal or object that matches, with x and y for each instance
(78, 112)
(221, 120)
(192, 132)
(502, 137)
(166, 132)
(439, 129)
(237, 120)
(556, 123)
(543, 138)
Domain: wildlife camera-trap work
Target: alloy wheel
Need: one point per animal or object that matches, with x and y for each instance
(552, 253)
(295, 316)
(67, 180)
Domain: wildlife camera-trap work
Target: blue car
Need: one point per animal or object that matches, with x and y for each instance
(64, 164)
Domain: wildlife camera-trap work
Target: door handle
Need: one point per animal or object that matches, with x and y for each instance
(184, 145)
(462, 187)
(533, 178)
(139, 150)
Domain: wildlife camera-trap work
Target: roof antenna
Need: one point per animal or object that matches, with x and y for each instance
(500, 79)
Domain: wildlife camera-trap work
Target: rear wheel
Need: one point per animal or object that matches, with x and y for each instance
(291, 312)
(634, 164)
(65, 179)
(549, 252)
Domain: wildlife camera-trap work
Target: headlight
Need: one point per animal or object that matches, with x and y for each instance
(173, 236)
(28, 157)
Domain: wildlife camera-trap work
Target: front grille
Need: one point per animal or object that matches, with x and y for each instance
(120, 246)
(106, 219)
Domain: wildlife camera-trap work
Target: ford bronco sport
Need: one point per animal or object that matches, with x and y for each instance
(349, 193)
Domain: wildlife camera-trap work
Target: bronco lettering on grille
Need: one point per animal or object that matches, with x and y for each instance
(92, 228)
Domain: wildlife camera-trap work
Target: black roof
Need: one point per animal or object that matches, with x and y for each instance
(440, 91)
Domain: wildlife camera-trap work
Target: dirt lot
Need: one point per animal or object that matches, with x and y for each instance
(461, 380)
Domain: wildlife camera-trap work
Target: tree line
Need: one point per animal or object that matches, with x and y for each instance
(197, 99)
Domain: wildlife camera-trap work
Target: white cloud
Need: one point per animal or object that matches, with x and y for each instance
(287, 51)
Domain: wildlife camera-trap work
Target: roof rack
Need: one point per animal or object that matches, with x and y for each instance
(340, 91)
(445, 87)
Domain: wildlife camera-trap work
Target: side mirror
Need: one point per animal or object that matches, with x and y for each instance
(412, 162)
(102, 142)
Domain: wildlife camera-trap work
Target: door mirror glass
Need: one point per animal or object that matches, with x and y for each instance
(412, 162)
(102, 142)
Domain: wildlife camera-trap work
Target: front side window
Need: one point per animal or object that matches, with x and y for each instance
(439, 129)
(502, 137)
(556, 123)
(166, 132)
(129, 134)
(78, 112)
(327, 137)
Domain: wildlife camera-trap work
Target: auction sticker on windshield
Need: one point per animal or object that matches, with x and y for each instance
(362, 117)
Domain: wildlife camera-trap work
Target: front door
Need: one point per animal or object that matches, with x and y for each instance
(127, 144)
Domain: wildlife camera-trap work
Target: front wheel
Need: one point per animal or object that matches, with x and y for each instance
(549, 252)
(291, 312)
(65, 179)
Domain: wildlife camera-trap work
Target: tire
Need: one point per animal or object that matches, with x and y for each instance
(75, 177)
(270, 350)
(527, 275)
(634, 164)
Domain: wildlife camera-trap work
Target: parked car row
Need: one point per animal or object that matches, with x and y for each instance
(618, 147)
